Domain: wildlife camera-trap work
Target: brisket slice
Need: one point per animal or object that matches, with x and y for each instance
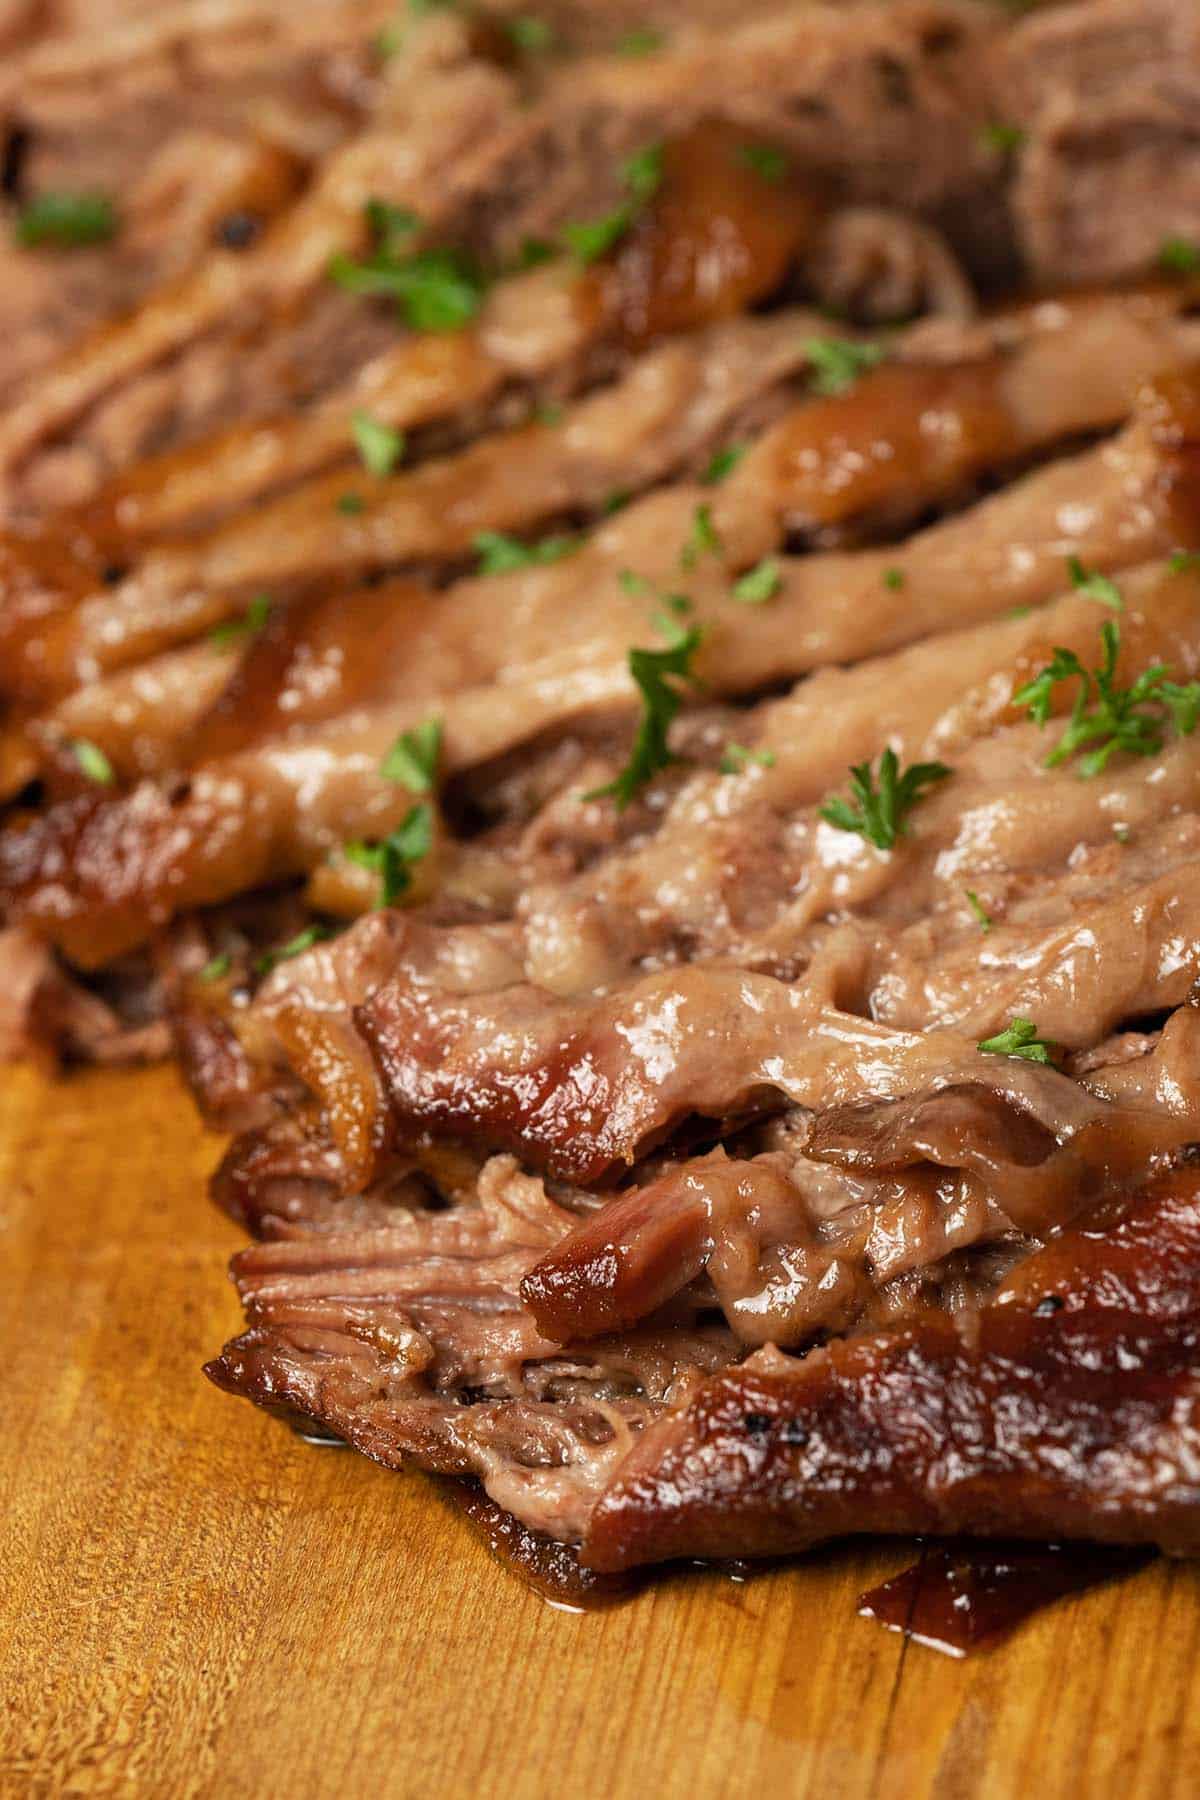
(1041, 1418)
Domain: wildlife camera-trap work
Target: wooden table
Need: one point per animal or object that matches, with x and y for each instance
(194, 1601)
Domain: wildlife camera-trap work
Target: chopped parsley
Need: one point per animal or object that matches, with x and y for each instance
(303, 940)
(977, 907)
(351, 504)
(93, 762)
(703, 540)
(837, 363)
(641, 42)
(252, 621)
(1179, 256)
(642, 175)
(390, 226)
(1004, 138)
(393, 858)
(499, 553)
(764, 160)
(533, 253)
(639, 588)
(1133, 719)
(893, 579)
(530, 34)
(723, 463)
(759, 584)
(880, 812)
(380, 446)
(216, 968)
(68, 221)
(413, 758)
(1019, 1038)
(1094, 586)
(661, 701)
(439, 289)
(736, 757)
(548, 413)
(1184, 559)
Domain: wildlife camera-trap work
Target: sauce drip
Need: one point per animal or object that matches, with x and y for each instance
(960, 1600)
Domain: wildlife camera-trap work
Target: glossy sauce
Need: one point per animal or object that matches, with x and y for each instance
(962, 1600)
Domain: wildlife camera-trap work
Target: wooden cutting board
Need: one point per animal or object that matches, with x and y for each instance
(194, 1601)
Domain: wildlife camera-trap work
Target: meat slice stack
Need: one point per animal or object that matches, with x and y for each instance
(663, 824)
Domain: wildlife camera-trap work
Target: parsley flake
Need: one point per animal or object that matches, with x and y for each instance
(736, 757)
(252, 621)
(394, 856)
(93, 762)
(413, 759)
(216, 968)
(351, 504)
(640, 42)
(499, 553)
(977, 907)
(440, 289)
(1179, 256)
(764, 160)
(661, 701)
(530, 34)
(1133, 719)
(1005, 139)
(642, 176)
(759, 584)
(1019, 1038)
(68, 221)
(893, 579)
(1183, 560)
(703, 540)
(723, 463)
(881, 812)
(1094, 586)
(837, 363)
(379, 445)
(303, 940)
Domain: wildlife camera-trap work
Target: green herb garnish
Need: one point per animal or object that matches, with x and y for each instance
(1004, 138)
(435, 290)
(736, 757)
(1179, 256)
(661, 701)
(759, 584)
(252, 621)
(764, 160)
(723, 464)
(216, 968)
(642, 175)
(1094, 586)
(548, 413)
(303, 940)
(93, 762)
(391, 226)
(1184, 559)
(413, 758)
(1133, 719)
(1019, 1038)
(703, 540)
(530, 34)
(894, 579)
(977, 907)
(380, 446)
(351, 504)
(69, 221)
(640, 42)
(498, 552)
(881, 812)
(837, 363)
(393, 858)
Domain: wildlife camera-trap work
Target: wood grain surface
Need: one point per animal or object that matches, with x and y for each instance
(195, 1601)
